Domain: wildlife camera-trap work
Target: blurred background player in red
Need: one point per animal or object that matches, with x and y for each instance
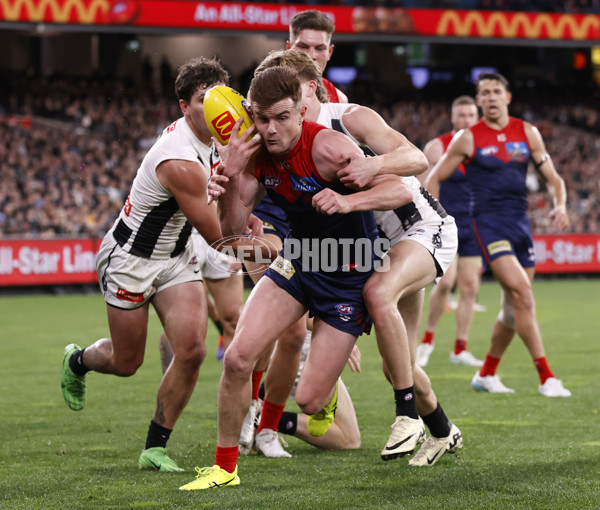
(496, 153)
(465, 271)
(310, 32)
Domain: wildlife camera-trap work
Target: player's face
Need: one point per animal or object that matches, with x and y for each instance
(464, 116)
(493, 99)
(279, 125)
(315, 43)
(194, 111)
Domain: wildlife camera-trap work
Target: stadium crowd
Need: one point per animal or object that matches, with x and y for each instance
(66, 173)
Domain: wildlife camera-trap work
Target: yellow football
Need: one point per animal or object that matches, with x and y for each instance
(223, 106)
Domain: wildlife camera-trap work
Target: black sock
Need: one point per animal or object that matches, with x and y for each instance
(438, 423)
(405, 403)
(76, 363)
(157, 435)
(288, 423)
(219, 327)
(261, 391)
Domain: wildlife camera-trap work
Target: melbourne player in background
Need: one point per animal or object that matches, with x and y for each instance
(310, 32)
(465, 270)
(496, 153)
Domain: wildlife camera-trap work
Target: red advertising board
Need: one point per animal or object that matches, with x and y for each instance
(48, 262)
(66, 261)
(273, 17)
(575, 253)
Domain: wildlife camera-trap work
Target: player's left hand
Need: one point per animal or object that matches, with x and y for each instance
(329, 202)
(215, 186)
(357, 170)
(560, 218)
(254, 226)
(236, 154)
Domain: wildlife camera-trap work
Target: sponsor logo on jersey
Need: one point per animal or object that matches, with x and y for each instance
(194, 262)
(517, 151)
(501, 137)
(306, 184)
(132, 297)
(127, 207)
(489, 150)
(272, 182)
(344, 309)
(498, 247)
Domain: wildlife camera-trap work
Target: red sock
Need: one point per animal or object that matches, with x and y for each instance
(490, 364)
(256, 378)
(460, 346)
(226, 458)
(543, 369)
(270, 416)
(428, 337)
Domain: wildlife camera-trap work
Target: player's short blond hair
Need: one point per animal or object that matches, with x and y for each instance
(300, 62)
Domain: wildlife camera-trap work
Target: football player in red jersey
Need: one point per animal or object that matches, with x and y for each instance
(310, 32)
(465, 270)
(298, 167)
(496, 152)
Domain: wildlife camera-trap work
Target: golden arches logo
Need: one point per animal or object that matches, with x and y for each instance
(87, 12)
(511, 27)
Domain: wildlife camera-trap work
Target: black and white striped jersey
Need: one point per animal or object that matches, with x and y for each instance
(151, 224)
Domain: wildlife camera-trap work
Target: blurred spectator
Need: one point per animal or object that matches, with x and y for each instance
(66, 174)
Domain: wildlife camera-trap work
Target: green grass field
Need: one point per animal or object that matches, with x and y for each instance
(521, 450)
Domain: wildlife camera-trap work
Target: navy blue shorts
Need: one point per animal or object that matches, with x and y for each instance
(500, 235)
(467, 242)
(336, 297)
(273, 218)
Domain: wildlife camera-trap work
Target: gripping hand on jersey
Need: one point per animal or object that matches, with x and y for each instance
(329, 202)
(358, 170)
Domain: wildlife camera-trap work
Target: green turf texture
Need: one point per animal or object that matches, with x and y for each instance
(521, 451)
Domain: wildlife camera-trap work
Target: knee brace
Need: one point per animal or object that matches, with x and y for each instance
(507, 311)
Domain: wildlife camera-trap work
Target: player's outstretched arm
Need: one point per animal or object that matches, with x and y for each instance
(383, 193)
(394, 153)
(460, 149)
(556, 184)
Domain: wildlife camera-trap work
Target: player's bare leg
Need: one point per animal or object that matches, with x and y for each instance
(228, 295)
(343, 434)
(468, 279)
(518, 314)
(256, 332)
(182, 310)
(411, 267)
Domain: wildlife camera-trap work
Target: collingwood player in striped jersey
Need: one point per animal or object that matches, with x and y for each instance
(423, 242)
(148, 257)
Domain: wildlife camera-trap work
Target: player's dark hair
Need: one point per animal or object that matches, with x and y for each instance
(311, 20)
(463, 100)
(492, 76)
(275, 84)
(300, 62)
(196, 73)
